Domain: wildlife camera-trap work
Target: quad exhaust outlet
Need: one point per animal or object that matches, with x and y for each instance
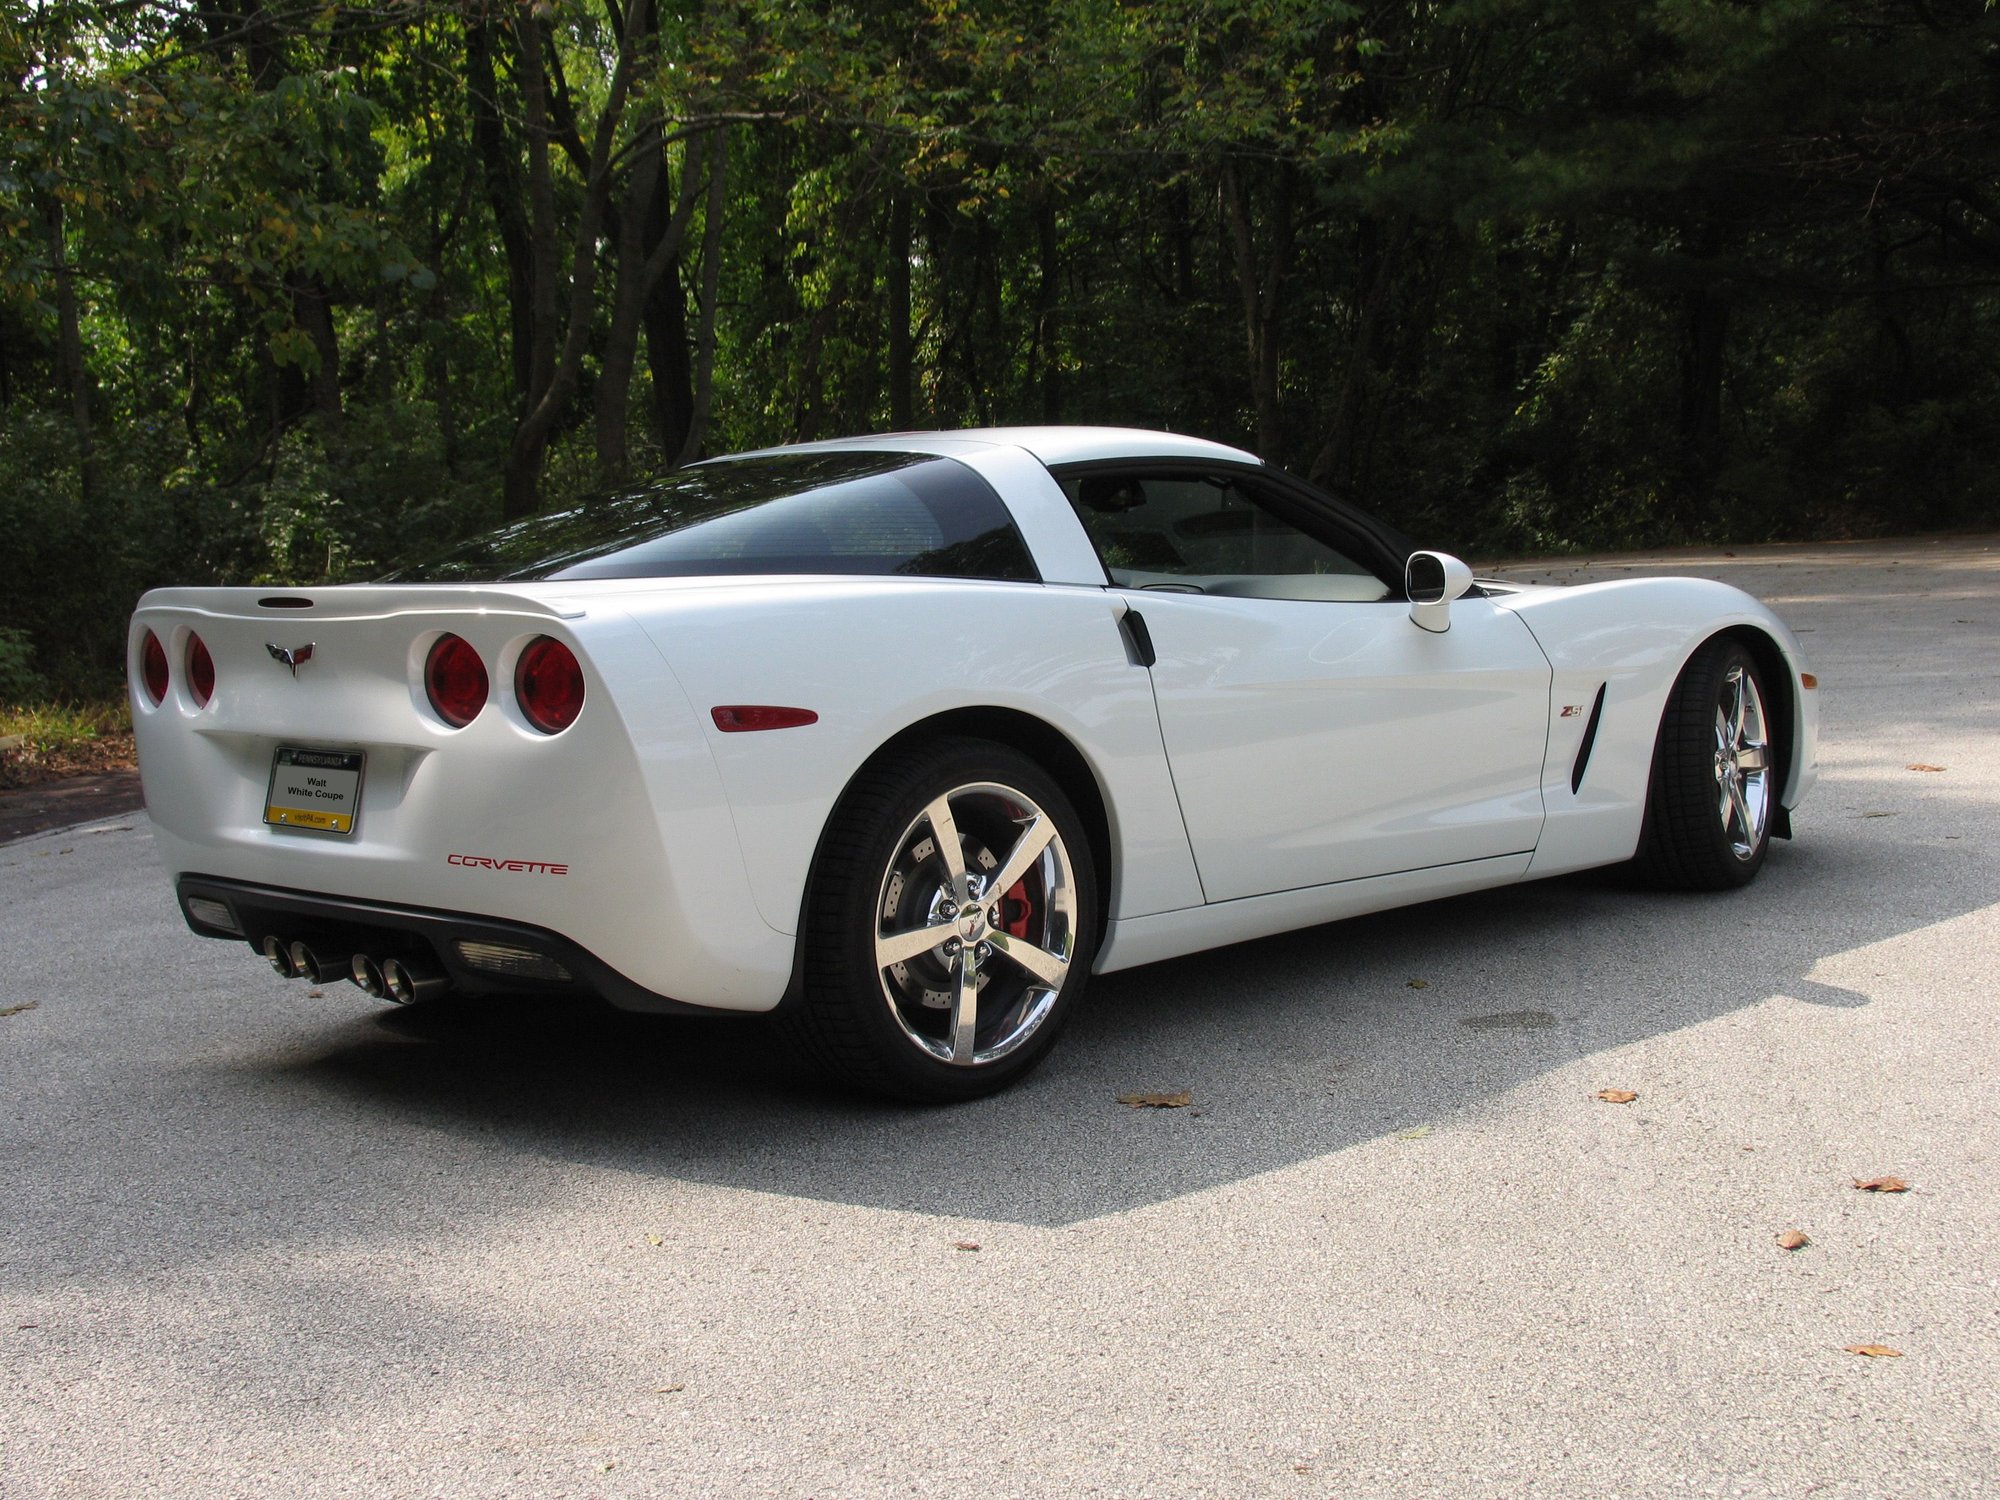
(403, 978)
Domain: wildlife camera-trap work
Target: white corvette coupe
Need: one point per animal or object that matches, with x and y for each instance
(903, 737)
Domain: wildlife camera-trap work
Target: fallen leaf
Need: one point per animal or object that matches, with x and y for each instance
(1157, 1101)
(965, 1245)
(668, 1390)
(1793, 1239)
(315, 994)
(1920, 766)
(1420, 984)
(1873, 1351)
(1878, 815)
(1616, 1096)
(654, 1239)
(15, 1010)
(1413, 1135)
(1882, 1185)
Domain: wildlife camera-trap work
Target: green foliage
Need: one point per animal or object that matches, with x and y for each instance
(1520, 276)
(19, 681)
(48, 728)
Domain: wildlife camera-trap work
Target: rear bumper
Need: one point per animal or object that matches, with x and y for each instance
(470, 949)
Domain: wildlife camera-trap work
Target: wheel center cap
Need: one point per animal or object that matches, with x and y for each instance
(972, 925)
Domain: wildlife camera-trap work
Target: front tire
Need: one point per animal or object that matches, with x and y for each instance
(951, 924)
(1715, 776)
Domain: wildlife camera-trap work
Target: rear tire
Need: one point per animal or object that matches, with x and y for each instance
(951, 924)
(1715, 776)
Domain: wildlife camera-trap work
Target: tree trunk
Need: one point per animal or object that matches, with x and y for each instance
(900, 344)
(1047, 361)
(640, 271)
(1702, 363)
(670, 360)
(612, 397)
(503, 197)
(69, 346)
(1381, 254)
(711, 285)
(1259, 283)
(554, 369)
(1701, 401)
(544, 302)
(312, 309)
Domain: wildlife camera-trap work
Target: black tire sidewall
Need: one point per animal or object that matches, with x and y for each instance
(1685, 845)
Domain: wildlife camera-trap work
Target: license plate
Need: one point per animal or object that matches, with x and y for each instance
(317, 789)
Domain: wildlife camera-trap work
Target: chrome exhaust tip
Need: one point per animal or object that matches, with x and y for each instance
(280, 956)
(409, 980)
(317, 967)
(366, 973)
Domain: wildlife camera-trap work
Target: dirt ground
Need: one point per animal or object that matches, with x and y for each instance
(76, 784)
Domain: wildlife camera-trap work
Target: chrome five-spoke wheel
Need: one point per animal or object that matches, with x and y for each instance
(976, 924)
(1742, 763)
(951, 924)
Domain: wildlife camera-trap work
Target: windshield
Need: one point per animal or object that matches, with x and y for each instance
(878, 513)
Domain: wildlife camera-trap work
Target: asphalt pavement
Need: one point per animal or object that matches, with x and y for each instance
(256, 1240)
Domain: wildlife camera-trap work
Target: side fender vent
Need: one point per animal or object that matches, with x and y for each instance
(1589, 739)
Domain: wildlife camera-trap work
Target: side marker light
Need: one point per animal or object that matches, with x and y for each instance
(738, 718)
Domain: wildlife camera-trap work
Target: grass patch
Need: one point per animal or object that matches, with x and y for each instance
(48, 740)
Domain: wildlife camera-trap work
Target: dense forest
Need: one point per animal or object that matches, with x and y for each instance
(295, 291)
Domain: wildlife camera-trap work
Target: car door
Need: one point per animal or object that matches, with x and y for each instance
(1314, 731)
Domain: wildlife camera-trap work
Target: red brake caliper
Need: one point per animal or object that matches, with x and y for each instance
(1016, 910)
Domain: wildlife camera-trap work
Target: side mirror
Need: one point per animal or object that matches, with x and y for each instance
(1433, 580)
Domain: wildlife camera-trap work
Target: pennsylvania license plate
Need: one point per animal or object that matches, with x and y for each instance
(318, 789)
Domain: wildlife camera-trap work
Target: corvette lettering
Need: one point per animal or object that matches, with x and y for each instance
(506, 866)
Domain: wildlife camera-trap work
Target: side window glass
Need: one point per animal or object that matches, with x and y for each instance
(1210, 535)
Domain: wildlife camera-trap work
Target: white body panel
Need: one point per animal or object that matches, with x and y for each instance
(1317, 742)
(873, 657)
(608, 800)
(1318, 759)
(1631, 637)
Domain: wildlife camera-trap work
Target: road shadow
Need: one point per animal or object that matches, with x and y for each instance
(1293, 1047)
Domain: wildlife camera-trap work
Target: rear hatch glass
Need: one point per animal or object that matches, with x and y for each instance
(878, 513)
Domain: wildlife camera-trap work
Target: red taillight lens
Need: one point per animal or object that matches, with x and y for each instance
(548, 684)
(201, 671)
(455, 679)
(153, 667)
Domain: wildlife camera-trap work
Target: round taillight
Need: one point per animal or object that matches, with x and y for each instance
(153, 667)
(548, 684)
(455, 679)
(201, 671)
